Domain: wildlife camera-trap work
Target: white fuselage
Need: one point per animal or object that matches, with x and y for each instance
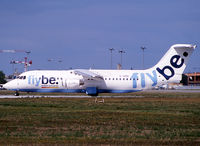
(113, 81)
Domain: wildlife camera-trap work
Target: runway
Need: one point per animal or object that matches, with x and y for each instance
(105, 96)
(174, 91)
(65, 96)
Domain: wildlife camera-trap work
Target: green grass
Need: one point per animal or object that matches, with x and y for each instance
(154, 119)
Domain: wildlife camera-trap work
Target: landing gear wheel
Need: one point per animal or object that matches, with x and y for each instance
(16, 93)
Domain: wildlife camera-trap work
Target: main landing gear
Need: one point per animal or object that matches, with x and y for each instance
(93, 91)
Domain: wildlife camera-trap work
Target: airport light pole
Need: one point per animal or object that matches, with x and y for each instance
(111, 50)
(121, 52)
(55, 61)
(143, 48)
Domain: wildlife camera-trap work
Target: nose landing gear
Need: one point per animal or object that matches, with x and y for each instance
(16, 93)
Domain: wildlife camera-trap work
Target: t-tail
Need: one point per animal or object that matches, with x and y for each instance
(172, 65)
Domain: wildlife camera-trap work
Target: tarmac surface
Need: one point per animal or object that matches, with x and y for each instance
(175, 91)
(64, 96)
(107, 96)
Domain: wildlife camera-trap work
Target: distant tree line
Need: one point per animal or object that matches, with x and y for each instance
(2, 78)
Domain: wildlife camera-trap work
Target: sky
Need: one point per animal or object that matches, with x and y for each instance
(80, 32)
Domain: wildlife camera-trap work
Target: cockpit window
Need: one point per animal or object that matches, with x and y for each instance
(21, 77)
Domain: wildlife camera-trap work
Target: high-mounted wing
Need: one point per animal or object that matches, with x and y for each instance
(87, 74)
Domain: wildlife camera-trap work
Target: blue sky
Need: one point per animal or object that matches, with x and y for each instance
(79, 32)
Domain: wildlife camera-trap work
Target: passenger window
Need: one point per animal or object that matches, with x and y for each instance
(24, 77)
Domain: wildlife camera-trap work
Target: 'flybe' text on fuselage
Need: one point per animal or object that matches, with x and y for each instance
(152, 76)
(44, 80)
(174, 63)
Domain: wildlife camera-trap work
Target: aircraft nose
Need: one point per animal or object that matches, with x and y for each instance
(9, 85)
(6, 86)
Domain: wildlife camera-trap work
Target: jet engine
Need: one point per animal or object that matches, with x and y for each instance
(74, 83)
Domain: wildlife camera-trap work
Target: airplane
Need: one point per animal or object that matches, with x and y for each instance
(92, 82)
